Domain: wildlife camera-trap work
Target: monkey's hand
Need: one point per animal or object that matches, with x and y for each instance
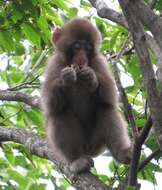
(68, 76)
(87, 76)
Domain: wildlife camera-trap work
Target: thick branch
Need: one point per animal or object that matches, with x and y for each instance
(154, 101)
(39, 147)
(143, 11)
(149, 19)
(19, 97)
(105, 12)
(158, 53)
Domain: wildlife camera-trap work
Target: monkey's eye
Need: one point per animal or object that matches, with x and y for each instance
(88, 47)
(76, 46)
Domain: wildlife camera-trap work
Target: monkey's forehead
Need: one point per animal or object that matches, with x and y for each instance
(81, 29)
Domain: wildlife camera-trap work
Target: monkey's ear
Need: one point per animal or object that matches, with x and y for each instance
(56, 35)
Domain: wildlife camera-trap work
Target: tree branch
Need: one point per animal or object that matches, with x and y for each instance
(149, 19)
(145, 15)
(145, 131)
(39, 147)
(152, 4)
(105, 12)
(154, 101)
(6, 95)
(132, 176)
(149, 79)
(124, 98)
(148, 159)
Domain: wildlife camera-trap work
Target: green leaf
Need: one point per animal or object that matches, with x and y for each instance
(6, 41)
(134, 100)
(17, 15)
(43, 25)
(61, 4)
(85, 4)
(21, 161)
(65, 183)
(16, 76)
(72, 12)
(9, 154)
(31, 33)
(36, 117)
(19, 49)
(16, 176)
(17, 35)
(113, 165)
(105, 45)
(152, 142)
(38, 187)
(104, 178)
(159, 5)
(133, 68)
(130, 188)
(114, 39)
(3, 164)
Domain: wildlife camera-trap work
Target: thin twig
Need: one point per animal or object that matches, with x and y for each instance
(145, 131)
(24, 85)
(124, 98)
(153, 3)
(148, 159)
(132, 176)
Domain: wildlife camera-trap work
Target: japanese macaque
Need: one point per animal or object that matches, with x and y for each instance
(80, 100)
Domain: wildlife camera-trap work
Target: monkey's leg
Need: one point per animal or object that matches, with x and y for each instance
(66, 138)
(112, 127)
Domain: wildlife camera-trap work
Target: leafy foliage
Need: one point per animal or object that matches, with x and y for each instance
(25, 45)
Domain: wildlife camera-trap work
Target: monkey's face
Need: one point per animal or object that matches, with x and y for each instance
(80, 52)
(79, 41)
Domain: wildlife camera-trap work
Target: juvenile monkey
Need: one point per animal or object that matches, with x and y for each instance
(80, 100)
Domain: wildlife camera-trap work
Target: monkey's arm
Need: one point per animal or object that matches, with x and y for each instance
(56, 88)
(107, 92)
(53, 96)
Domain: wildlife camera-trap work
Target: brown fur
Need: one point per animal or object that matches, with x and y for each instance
(81, 114)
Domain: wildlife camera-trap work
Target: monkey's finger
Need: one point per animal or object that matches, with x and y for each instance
(68, 77)
(68, 73)
(86, 75)
(67, 69)
(71, 77)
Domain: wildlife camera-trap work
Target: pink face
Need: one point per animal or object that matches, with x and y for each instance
(81, 50)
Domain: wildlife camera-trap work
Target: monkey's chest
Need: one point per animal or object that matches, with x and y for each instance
(83, 105)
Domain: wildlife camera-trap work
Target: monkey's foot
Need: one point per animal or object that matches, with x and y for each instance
(81, 165)
(125, 155)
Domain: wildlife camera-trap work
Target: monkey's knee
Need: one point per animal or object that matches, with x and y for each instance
(82, 164)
